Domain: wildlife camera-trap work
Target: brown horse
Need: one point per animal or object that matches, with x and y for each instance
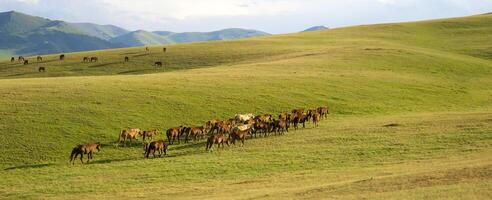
(20, 58)
(174, 133)
(128, 134)
(159, 146)
(127, 59)
(323, 111)
(39, 58)
(158, 64)
(41, 69)
(297, 111)
(62, 57)
(216, 139)
(12, 59)
(281, 125)
(194, 132)
(82, 149)
(26, 62)
(316, 118)
(94, 59)
(164, 49)
(149, 134)
(300, 119)
(212, 125)
(86, 59)
(238, 134)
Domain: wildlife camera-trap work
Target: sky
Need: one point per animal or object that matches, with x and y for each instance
(273, 16)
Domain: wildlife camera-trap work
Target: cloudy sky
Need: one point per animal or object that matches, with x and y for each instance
(273, 16)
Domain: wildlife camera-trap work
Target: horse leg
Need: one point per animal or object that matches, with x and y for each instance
(81, 156)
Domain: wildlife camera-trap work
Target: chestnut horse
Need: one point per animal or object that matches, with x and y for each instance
(159, 146)
(174, 133)
(217, 139)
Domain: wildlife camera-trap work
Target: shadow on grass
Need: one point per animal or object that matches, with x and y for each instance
(29, 166)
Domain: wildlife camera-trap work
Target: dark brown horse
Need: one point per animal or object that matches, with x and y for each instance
(41, 69)
(86, 59)
(12, 59)
(158, 64)
(127, 59)
(94, 59)
(216, 139)
(62, 57)
(26, 62)
(39, 58)
(164, 49)
(300, 119)
(82, 149)
(174, 133)
(159, 146)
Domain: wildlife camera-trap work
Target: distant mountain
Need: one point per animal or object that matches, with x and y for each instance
(104, 32)
(316, 28)
(25, 35)
(139, 38)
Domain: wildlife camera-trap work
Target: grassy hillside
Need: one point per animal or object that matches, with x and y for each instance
(429, 79)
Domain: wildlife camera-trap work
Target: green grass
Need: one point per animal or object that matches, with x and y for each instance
(431, 78)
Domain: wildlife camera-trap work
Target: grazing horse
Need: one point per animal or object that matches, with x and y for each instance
(149, 134)
(261, 127)
(127, 59)
(20, 58)
(86, 59)
(26, 62)
(158, 64)
(94, 59)
(217, 139)
(82, 149)
(159, 146)
(300, 119)
(41, 69)
(316, 118)
(323, 111)
(239, 134)
(174, 133)
(194, 132)
(128, 134)
(310, 113)
(211, 125)
(12, 59)
(39, 58)
(164, 49)
(62, 57)
(147, 49)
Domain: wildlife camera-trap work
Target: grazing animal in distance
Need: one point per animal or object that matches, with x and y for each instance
(323, 111)
(316, 118)
(194, 132)
(94, 59)
(164, 49)
(39, 58)
(211, 124)
(12, 59)
(238, 134)
(62, 57)
(281, 125)
(158, 64)
(174, 133)
(127, 59)
(159, 146)
(149, 134)
(82, 149)
(216, 139)
(86, 59)
(41, 69)
(130, 134)
(20, 58)
(26, 62)
(147, 49)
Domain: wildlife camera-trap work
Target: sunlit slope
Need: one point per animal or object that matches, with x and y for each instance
(457, 38)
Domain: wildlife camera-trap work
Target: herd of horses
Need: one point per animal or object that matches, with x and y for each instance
(61, 57)
(216, 131)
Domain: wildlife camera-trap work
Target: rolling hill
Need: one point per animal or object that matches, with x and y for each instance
(23, 34)
(410, 116)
